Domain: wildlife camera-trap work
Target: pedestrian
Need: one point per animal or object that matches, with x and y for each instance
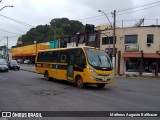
(154, 67)
(28, 62)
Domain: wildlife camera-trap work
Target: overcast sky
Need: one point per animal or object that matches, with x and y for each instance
(40, 12)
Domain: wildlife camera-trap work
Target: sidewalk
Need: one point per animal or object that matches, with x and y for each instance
(26, 67)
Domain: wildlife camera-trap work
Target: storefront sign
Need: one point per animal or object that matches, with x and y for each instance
(73, 44)
(132, 48)
(81, 44)
(110, 50)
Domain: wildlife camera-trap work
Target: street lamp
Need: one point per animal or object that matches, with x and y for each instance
(114, 29)
(35, 42)
(106, 16)
(6, 6)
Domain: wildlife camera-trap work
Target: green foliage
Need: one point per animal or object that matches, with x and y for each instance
(58, 28)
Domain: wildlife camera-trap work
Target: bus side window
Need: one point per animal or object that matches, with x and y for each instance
(55, 56)
(39, 59)
(63, 57)
(80, 58)
(46, 57)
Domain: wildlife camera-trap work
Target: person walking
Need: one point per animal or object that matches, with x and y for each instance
(154, 67)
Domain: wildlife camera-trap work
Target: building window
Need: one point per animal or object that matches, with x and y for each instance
(132, 65)
(82, 40)
(108, 40)
(150, 38)
(131, 38)
(92, 40)
(92, 37)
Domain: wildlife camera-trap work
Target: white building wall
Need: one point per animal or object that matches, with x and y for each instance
(142, 40)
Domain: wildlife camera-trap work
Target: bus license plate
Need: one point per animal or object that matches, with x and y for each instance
(104, 79)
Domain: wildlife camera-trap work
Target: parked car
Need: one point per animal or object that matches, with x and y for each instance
(13, 65)
(20, 60)
(26, 61)
(3, 66)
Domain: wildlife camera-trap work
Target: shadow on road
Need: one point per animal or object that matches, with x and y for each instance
(70, 84)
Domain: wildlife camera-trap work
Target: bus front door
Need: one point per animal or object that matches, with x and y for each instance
(70, 67)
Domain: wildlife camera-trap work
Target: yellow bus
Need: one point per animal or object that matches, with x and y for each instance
(80, 65)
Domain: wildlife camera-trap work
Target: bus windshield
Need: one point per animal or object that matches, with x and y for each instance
(98, 59)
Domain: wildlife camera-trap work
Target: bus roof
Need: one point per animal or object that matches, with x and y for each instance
(65, 48)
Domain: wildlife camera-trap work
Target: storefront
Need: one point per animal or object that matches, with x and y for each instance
(139, 63)
(27, 52)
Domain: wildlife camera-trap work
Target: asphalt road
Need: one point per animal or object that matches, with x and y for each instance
(27, 91)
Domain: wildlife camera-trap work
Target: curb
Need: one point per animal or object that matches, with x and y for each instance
(28, 70)
(139, 77)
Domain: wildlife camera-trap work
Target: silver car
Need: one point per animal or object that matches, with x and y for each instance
(3, 66)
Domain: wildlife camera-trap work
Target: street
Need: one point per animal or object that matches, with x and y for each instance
(28, 91)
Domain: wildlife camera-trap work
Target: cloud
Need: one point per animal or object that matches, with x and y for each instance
(40, 12)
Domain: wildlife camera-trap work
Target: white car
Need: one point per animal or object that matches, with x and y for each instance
(3, 66)
(26, 61)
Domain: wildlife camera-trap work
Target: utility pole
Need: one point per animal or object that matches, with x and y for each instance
(54, 34)
(7, 50)
(114, 39)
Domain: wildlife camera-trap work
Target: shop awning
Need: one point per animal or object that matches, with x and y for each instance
(151, 55)
(131, 54)
(22, 55)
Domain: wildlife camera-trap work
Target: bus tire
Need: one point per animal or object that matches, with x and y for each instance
(101, 85)
(46, 76)
(79, 82)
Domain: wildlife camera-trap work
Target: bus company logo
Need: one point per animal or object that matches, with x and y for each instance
(43, 47)
(6, 114)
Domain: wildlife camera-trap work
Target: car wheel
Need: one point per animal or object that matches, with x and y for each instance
(79, 82)
(46, 76)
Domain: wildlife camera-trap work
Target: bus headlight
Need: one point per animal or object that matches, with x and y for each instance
(92, 71)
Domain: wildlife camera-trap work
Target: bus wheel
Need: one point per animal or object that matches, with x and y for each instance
(79, 82)
(46, 76)
(101, 85)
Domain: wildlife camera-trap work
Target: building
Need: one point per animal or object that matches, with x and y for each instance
(27, 52)
(137, 49)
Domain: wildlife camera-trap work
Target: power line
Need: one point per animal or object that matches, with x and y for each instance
(22, 23)
(91, 17)
(138, 6)
(139, 9)
(9, 32)
(13, 26)
(9, 27)
(126, 10)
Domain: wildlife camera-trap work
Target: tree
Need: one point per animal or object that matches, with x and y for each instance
(70, 27)
(45, 33)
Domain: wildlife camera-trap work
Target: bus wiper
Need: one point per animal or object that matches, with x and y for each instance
(99, 59)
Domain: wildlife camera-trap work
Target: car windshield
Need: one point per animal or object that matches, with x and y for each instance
(2, 62)
(98, 58)
(13, 62)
